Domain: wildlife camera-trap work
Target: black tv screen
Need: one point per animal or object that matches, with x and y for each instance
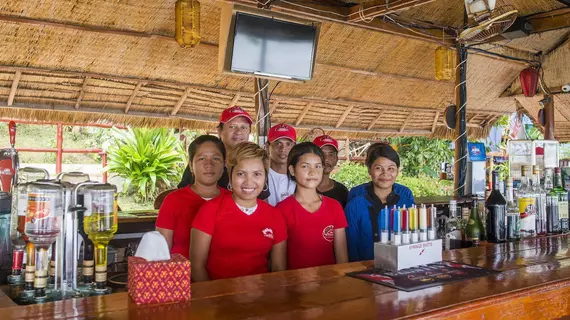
(265, 46)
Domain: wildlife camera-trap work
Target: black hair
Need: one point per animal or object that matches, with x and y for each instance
(193, 148)
(381, 149)
(298, 151)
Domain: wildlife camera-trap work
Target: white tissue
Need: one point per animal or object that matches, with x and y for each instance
(153, 247)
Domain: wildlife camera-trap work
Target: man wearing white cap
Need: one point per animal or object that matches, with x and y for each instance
(281, 138)
(329, 187)
(234, 127)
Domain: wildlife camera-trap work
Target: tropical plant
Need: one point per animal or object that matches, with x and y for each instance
(149, 160)
(422, 155)
(351, 174)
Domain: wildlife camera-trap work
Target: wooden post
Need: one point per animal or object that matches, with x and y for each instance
(262, 107)
(460, 169)
(59, 147)
(548, 103)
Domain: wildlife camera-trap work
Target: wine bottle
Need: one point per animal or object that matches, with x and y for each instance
(474, 230)
(496, 206)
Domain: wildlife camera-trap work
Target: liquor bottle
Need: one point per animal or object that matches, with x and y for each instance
(100, 223)
(561, 195)
(17, 237)
(527, 206)
(474, 230)
(548, 180)
(540, 194)
(87, 249)
(43, 225)
(453, 226)
(513, 214)
(496, 206)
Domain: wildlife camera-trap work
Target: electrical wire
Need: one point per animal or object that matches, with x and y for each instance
(314, 9)
(531, 62)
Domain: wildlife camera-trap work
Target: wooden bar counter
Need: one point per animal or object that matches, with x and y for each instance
(534, 284)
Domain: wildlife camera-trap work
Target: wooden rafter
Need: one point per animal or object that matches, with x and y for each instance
(303, 113)
(380, 113)
(14, 87)
(488, 119)
(273, 107)
(372, 9)
(234, 100)
(180, 102)
(473, 116)
(343, 117)
(408, 118)
(133, 96)
(82, 92)
(434, 124)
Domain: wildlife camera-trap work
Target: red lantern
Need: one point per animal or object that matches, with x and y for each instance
(529, 81)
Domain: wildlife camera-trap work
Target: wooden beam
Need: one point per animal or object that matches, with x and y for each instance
(14, 87)
(315, 11)
(434, 121)
(408, 118)
(82, 92)
(273, 107)
(384, 74)
(371, 124)
(488, 119)
(180, 102)
(473, 116)
(372, 9)
(133, 95)
(303, 113)
(344, 115)
(234, 100)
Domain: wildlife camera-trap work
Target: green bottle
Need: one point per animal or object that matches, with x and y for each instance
(474, 230)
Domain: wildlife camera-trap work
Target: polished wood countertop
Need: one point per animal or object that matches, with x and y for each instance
(535, 283)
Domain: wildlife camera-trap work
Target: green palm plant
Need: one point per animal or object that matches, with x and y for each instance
(149, 160)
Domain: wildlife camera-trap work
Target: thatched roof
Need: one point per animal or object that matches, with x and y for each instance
(109, 61)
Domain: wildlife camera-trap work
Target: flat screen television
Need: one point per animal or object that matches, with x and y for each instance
(265, 46)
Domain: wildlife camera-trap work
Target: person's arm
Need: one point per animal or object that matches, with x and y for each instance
(352, 232)
(167, 234)
(279, 256)
(199, 250)
(340, 250)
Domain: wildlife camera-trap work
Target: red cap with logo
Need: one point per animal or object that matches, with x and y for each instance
(282, 130)
(326, 140)
(234, 112)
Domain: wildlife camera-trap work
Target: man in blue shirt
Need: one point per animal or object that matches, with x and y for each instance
(366, 201)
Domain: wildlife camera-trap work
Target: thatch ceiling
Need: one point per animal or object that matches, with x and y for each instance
(93, 60)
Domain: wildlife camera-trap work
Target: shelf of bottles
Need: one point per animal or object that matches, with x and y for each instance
(60, 230)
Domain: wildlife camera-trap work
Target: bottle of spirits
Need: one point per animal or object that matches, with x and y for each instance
(540, 193)
(474, 230)
(453, 229)
(100, 224)
(557, 218)
(513, 215)
(43, 225)
(496, 206)
(548, 180)
(527, 206)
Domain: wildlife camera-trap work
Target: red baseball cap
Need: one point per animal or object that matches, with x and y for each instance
(326, 140)
(234, 112)
(282, 130)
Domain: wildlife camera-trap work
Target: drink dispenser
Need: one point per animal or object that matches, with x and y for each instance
(43, 224)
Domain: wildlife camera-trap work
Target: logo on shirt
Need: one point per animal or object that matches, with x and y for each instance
(328, 233)
(267, 232)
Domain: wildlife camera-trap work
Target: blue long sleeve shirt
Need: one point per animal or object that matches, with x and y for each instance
(359, 233)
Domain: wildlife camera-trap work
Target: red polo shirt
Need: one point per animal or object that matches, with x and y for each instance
(240, 243)
(311, 235)
(177, 213)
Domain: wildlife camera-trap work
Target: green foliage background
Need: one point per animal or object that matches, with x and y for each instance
(150, 160)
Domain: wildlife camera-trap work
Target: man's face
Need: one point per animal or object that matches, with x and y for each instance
(331, 158)
(235, 131)
(279, 150)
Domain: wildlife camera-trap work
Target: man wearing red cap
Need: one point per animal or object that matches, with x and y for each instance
(281, 138)
(329, 187)
(234, 127)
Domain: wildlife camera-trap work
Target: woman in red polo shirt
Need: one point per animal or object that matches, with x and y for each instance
(206, 156)
(315, 223)
(234, 234)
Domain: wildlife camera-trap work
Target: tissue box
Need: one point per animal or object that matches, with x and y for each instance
(159, 281)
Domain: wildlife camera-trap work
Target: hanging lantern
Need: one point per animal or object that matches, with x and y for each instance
(187, 31)
(444, 63)
(529, 81)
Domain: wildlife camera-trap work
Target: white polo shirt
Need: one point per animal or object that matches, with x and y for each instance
(280, 187)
